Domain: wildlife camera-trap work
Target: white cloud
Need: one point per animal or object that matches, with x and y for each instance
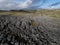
(26, 4)
(11, 4)
(22, 4)
(1, 0)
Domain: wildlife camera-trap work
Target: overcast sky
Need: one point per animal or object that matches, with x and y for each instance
(29, 4)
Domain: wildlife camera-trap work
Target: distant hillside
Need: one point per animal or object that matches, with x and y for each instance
(53, 13)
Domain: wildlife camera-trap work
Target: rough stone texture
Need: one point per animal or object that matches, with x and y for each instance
(23, 30)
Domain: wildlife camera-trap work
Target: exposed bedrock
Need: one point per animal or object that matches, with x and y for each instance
(23, 30)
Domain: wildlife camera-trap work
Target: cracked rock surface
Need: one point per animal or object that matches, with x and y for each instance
(24, 30)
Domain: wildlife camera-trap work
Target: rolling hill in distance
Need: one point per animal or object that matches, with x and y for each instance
(48, 12)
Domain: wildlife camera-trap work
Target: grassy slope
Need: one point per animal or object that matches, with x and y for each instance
(13, 13)
(52, 13)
